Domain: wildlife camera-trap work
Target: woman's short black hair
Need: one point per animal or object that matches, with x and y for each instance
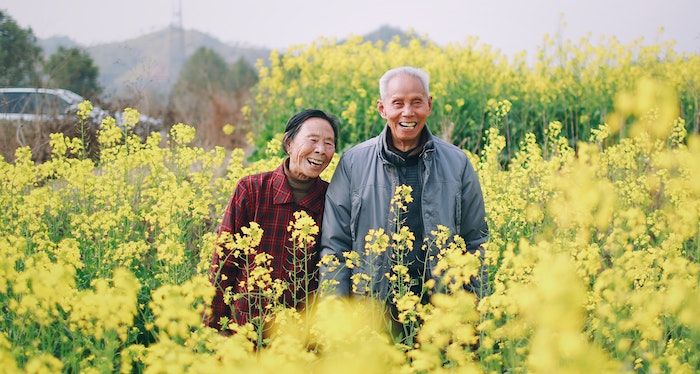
(294, 124)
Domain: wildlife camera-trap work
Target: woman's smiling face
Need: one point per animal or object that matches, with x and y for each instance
(311, 149)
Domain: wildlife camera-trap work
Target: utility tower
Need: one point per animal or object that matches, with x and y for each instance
(176, 47)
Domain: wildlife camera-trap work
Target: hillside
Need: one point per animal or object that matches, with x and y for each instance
(51, 44)
(146, 67)
(385, 33)
(143, 65)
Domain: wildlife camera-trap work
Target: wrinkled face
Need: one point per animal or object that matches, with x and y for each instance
(405, 107)
(311, 149)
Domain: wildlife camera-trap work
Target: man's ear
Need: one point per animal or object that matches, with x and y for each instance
(380, 108)
(430, 103)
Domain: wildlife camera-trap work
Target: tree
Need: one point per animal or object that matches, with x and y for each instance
(73, 69)
(19, 54)
(242, 74)
(209, 94)
(204, 72)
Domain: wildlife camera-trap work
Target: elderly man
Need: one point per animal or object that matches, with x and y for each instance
(446, 190)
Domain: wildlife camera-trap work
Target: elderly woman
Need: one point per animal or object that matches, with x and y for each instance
(270, 199)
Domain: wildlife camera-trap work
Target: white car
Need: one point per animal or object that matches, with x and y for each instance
(29, 115)
(41, 104)
(51, 104)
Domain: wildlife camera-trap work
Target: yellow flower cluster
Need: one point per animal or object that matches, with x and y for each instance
(304, 230)
(130, 118)
(111, 306)
(447, 336)
(60, 145)
(182, 134)
(498, 109)
(402, 197)
(178, 309)
(456, 266)
(228, 129)
(109, 135)
(84, 110)
(376, 241)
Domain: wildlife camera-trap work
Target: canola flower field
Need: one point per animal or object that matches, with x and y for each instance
(573, 82)
(593, 264)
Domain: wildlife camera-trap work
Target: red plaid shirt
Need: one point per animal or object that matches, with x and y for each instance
(267, 199)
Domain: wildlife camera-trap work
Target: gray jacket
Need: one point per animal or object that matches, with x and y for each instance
(360, 192)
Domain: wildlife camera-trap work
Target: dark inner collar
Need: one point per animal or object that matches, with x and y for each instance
(297, 185)
(411, 156)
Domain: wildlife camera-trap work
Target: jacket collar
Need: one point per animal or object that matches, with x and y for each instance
(283, 194)
(388, 156)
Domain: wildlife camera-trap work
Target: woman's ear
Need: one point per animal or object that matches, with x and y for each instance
(285, 145)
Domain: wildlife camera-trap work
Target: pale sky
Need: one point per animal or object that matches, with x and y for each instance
(510, 26)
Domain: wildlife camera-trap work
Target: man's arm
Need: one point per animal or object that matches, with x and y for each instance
(474, 229)
(335, 234)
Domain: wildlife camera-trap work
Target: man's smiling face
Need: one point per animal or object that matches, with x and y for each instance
(405, 107)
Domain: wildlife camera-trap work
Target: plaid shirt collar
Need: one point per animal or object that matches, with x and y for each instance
(312, 202)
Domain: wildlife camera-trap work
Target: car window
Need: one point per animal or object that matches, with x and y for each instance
(4, 103)
(50, 104)
(17, 102)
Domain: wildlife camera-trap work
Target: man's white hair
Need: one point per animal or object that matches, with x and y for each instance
(404, 70)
